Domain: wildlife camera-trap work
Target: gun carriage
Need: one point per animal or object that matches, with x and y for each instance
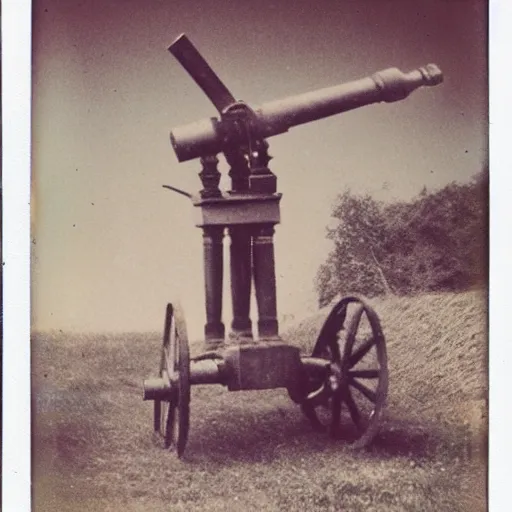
(345, 379)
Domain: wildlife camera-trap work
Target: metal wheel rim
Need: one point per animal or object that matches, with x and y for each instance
(172, 416)
(356, 379)
(340, 358)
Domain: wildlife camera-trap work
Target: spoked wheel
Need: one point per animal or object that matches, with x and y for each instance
(352, 392)
(172, 414)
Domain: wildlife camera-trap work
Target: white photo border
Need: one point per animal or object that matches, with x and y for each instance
(16, 95)
(16, 98)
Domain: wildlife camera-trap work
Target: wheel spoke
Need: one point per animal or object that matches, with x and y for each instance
(368, 393)
(157, 413)
(364, 374)
(172, 426)
(357, 319)
(176, 355)
(164, 418)
(170, 368)
(356, 356)
(352, 409)
(336, 413)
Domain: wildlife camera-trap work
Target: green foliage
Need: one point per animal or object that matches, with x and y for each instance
(435, 242)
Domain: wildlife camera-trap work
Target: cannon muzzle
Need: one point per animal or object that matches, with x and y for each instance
(212, 136)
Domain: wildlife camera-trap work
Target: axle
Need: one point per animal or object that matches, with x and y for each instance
(206, 371)
(228, 373)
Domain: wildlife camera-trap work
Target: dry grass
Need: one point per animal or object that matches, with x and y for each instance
(93, 449)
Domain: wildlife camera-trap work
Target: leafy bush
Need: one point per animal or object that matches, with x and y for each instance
(435, 242)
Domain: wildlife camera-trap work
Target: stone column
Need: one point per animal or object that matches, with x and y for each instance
(240, 261)
(265, 281)
(213, 277)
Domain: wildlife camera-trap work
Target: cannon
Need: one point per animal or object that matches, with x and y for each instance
(343, 384)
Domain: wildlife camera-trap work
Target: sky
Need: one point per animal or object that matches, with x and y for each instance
(111, 247)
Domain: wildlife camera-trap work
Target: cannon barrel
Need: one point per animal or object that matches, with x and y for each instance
(212, 136)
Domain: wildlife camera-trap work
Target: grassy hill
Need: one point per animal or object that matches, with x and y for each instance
(93, 449)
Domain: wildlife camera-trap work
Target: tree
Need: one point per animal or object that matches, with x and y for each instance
(437, 241)
(358, 237)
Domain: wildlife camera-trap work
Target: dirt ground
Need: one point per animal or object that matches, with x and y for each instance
(93, 448)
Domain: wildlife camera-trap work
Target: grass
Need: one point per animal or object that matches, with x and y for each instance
(93, 448)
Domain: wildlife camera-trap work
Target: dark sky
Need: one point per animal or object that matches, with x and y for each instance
(112, 246)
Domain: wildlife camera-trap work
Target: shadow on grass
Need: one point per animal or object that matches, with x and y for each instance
(266, 436)
(420, 440)
(404, 441)
(245, 436)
